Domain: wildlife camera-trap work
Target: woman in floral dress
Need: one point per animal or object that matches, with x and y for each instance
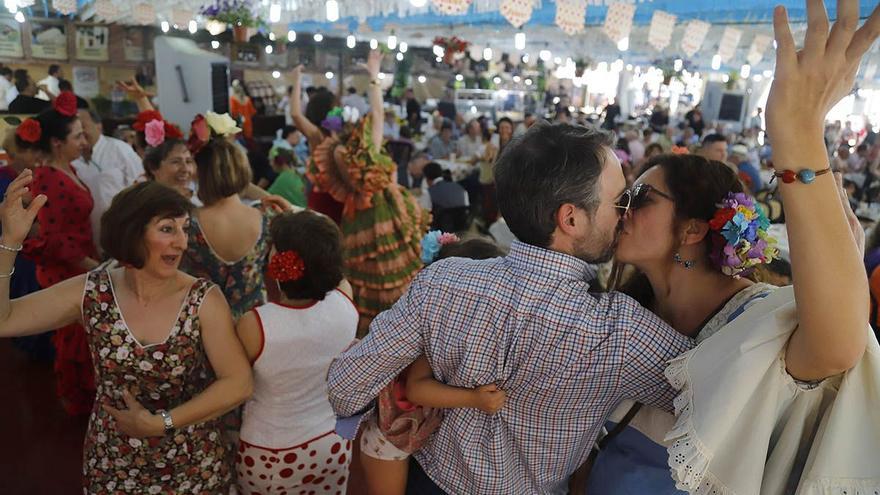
(228, 240)
(166, 358)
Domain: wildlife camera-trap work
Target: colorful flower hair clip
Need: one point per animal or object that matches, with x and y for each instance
(65, 104)
(433, 242)
(286, 266)
(740, 238)
(154, 132)
(29, 131)
(334, 120)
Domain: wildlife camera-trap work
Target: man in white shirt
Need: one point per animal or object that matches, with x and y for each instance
(108, 166)
(5, 85)
(50, 83)
(353, 99)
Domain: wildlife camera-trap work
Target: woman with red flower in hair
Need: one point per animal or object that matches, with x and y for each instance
(63, 246)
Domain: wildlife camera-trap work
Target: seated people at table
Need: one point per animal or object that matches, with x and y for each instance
(442, 145)
(26, 101)
(443, 192)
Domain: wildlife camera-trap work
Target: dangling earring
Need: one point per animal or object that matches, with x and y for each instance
(688, 264)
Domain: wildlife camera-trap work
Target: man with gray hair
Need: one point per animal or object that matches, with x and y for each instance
(530, 323)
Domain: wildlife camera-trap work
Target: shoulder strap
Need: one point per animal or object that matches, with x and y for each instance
(620, 426)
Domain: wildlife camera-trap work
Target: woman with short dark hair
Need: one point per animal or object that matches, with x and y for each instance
(167, 361)
(171, 164)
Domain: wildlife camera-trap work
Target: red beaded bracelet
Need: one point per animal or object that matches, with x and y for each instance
(807, 175)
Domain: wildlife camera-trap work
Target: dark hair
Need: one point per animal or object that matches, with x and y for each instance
(310, 90)
(53, 125)
(653, 146)
(697, 186)
(318, 242)
(713, 138)
(287, 131)
(320, 104)
(504, 119)
(5, 71)
(20, 74)
(54, 69)
(548, 166)
(64, 85)
(223, 170)
(156, 154)
(21, 83)
(432, 171)
(475, 248)
(351, 90)
(124, 223)
(446, 125)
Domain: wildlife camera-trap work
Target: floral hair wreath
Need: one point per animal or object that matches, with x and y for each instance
(203, 127)
(338, 117)
(286, 266)
(740, 240)
(155, 128)
(433, 242)
(29, 131)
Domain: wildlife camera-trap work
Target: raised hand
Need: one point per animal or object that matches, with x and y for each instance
(133, 89)
(374, 63)
(296, 72)
(14, 217)
(822, 73)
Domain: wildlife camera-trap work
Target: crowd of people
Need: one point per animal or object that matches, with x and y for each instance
(625, 328)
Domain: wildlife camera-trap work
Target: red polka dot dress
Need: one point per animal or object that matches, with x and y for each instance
(63, 240)
(288, 444)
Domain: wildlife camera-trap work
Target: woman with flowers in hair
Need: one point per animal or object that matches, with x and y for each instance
(63, 246)
(381, 223)
(288, 443)
(780, 393)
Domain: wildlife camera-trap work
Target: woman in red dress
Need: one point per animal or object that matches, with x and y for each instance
(62, 247)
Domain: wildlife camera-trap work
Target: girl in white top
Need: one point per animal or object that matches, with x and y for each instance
(288, 443)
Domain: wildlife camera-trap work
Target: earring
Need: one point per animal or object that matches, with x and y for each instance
(688, 264)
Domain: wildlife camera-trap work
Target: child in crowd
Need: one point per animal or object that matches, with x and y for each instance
(289, 184)
(288, 443)
(409, 407)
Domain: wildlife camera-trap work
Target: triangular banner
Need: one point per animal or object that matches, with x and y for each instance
(570, 15)
(517, 12)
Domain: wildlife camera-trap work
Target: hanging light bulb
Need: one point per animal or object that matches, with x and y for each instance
(438, 51)
(374, 43)
(276, 74)
(459, 77)
(291, 36)
(328, 75)
(745, 71)
(399, 57)
(439, 59)
(193, 26)
(623, 45)
(526, 58)
(418, 3)
(318, 37)
(165, 26)
(332, 7)
(269, 49)
(517, 79)
(422, 79)
(271, 36)
(496, 80)
(350, 41)
(716, 62)
(275, 13)
(545, 55)
(678, 64)
(487, 53)
(403, 47)
(528, 82)
(215, 44)
(392, 41)
(381, 76)
(519, 40)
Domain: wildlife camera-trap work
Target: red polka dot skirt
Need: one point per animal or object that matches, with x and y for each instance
(319, 466)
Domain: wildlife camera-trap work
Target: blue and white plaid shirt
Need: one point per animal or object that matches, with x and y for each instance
(528, 322)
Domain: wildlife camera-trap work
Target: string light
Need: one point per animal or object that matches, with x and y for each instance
(350, 41)
(291, 36)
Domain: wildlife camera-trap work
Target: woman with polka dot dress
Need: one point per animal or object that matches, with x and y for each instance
(288, 443)
(62, 247)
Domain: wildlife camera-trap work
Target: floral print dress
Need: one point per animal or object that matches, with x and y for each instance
(192, 459)
(242, 281)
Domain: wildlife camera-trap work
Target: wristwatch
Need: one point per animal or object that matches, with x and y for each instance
(166, 418)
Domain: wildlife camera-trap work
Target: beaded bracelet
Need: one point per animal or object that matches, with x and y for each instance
(11, 250)
(807, 175)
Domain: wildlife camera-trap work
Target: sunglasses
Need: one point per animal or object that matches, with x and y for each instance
(634, 198)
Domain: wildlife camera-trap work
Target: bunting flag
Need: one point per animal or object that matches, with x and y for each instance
(660, 33)
(143, 13)
(106, 9)
(728, 44)
(618, 22)
(65, 7)
(694, 35)
(758, 47)
(517, 12)
(570, 15)
(452, 7)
